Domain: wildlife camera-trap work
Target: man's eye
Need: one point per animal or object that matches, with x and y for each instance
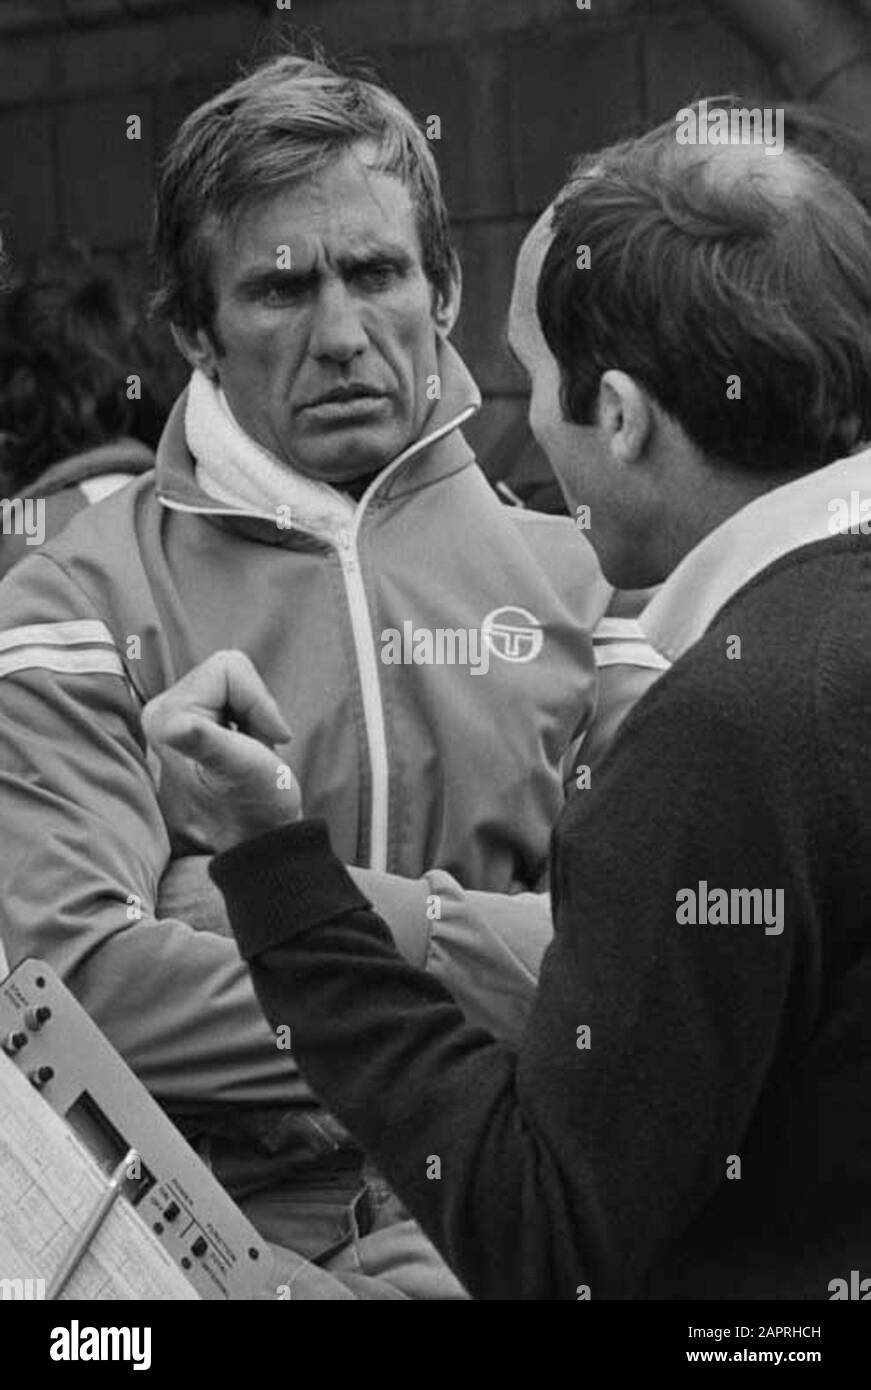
(280, 292)
(376, 277)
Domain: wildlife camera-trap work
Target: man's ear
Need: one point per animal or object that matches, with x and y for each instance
(197, 349)
(625, 416)
(446, 306)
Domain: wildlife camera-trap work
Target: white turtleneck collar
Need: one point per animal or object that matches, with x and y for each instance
(234, 469)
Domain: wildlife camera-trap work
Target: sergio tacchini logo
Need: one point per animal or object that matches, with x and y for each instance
(514, 634)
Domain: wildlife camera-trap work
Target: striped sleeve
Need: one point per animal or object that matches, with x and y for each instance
(626, 667)
(80, 646)
(623, 642)
(84, 845)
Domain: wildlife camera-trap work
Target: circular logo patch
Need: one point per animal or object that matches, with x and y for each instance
(514, 634)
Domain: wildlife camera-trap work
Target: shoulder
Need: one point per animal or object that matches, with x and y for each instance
(791, 631)
(754, 702)
(95, 560)
(103, 530)
(541, 523)
(566, 556)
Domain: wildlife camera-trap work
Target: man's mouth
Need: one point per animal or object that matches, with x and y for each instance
(345, 395)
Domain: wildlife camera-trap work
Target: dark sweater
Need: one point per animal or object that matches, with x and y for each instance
(608, 1166)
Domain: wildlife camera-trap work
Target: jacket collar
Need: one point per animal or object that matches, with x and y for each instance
(121, 456)
(439, 451)
(746, 543)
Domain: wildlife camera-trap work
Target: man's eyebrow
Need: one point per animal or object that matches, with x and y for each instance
(375, 254)
(260, 276)
(266, 273)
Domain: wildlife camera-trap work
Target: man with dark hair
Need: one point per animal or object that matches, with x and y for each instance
(315, 503)
(689, 1111)
(626, 666)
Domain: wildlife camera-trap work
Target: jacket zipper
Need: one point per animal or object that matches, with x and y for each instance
(370, 686)
(364, 642)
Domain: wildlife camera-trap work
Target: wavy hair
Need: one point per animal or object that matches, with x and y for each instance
(283, 122)
(69, 339)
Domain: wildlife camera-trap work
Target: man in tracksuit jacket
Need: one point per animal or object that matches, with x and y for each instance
(315, 503)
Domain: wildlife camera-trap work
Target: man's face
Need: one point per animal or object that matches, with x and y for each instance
(578, 454)
(326, 363)
(570, 448)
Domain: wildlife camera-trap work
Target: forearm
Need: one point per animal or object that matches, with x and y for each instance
(486, 948)
(179, 1007)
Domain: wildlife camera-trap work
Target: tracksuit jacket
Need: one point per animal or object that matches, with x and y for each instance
(412, 766)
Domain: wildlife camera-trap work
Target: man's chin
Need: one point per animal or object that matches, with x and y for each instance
(345, 455)
(623, 565)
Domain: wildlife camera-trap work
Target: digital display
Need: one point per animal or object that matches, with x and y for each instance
(107, 1145)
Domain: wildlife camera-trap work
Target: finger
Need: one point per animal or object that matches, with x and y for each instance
(217, 750)
(249, 701)
(226, 683)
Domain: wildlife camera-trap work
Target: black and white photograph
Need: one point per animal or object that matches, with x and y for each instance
(435, 677)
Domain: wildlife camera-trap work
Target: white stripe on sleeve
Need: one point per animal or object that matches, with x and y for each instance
(82, 646)
(630, 654)
(623, 642)
(80, 661)
(79, 632)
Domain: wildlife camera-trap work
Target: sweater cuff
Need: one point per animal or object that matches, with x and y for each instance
(282, 884)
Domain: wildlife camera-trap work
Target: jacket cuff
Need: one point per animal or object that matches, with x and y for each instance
(283, 883)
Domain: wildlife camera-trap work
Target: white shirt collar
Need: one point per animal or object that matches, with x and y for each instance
(748, 542)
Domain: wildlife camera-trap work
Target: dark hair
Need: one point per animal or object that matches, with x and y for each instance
(68, 342)
(704, 268)
(283, 122)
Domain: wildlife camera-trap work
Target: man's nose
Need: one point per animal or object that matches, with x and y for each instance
(336, 331)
